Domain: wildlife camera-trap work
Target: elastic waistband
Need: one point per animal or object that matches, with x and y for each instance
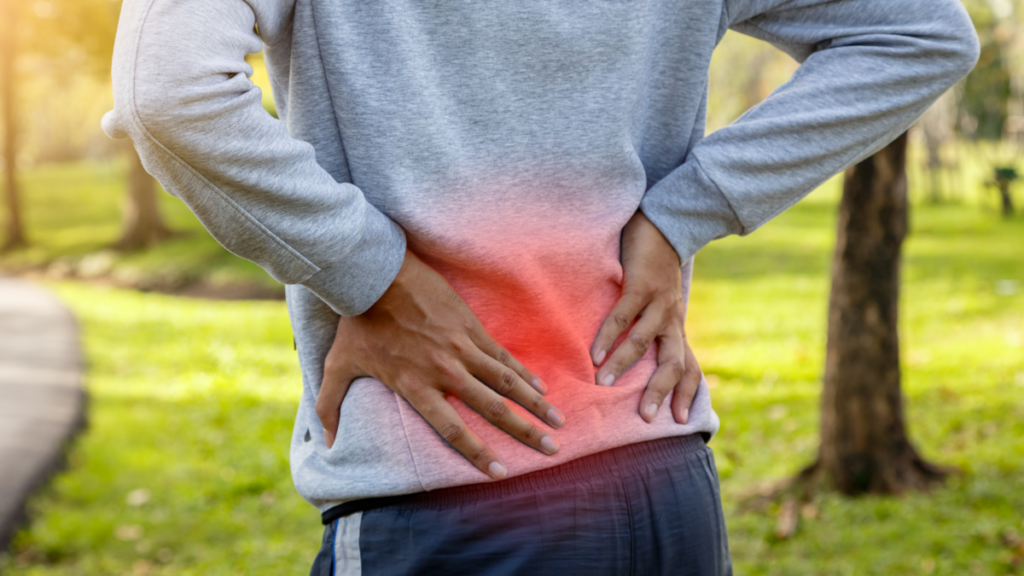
(615, 461)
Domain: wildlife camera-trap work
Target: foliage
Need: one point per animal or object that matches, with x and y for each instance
(994, 90)
(743, 72)
(78, 33)
(193, 402)
(987, 88)
(71, 242)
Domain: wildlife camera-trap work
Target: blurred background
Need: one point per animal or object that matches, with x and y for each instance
(193, 382)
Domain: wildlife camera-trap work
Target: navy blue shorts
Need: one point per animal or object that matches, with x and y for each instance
(645, 509)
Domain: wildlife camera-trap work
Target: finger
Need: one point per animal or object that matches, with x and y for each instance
(687, 387)
(625, 310)
(632, 347)
(490, 346)
(671, 367)
(494, 408)
(442, 417)
(333, 389)
(507, 383)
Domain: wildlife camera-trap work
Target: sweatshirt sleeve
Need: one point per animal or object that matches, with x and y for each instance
(182, 94)
(869, 69)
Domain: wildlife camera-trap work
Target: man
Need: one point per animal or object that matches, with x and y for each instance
(471, 202)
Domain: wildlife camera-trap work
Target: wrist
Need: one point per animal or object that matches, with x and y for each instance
(398, 290)
(641, 234)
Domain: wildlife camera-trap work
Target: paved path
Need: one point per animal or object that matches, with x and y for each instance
(41, 397)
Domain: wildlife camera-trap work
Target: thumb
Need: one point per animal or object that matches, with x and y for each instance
(333, 388)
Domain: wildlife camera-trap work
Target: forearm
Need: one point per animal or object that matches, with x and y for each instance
(870, 69)
(183, 94)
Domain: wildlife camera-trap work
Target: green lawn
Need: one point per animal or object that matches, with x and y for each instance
(72, 214)
(758, 323)
(183, 468)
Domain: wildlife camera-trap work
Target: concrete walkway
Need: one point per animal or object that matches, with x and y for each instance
(41, 397)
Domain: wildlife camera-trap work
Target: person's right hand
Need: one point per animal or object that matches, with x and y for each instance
(422, 340)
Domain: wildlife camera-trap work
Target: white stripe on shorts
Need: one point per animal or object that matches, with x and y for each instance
(346, 546)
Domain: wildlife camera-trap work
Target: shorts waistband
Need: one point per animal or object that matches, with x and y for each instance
(622, 459)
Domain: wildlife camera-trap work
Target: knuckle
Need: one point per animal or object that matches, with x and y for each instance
(620, 321)
(463, 344)
(676, 313)
(694, 374)
(640, 342)
(452, 297)
(645, 288)
(538, 405)
(432, 412)
(506, 383)
(637, 289)
(659, 393)
(456, 387)
(453, 433)
(323, 411)
(481, 455)
(332, 365)
(531, 432)
(676, 368)
(496, 410)
(416, 395)
(459, 345)
(481, 335)
(445, 370)
(504, 357)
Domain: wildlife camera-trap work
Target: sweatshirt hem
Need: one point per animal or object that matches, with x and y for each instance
(611, 461)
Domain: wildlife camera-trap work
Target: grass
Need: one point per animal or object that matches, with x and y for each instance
(183, 469)
(73, 242)
(758, 323)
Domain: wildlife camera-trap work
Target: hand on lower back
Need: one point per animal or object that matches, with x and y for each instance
(652, 295)
(423, 341)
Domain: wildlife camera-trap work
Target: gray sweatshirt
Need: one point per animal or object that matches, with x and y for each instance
(507, 143)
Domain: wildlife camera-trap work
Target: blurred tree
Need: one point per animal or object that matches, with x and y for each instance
(744, 71)
(85, 30)
(143, 225)
(864, 444)
(987, 89)
(995, 88)
(14, 235)
(937, 126)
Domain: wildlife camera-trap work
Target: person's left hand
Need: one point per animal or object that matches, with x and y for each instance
(652, 294)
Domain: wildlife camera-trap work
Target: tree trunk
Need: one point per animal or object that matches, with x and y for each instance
(143, 226)
(934, 165)
(864, 444)
(14, 236)
(1003, 184)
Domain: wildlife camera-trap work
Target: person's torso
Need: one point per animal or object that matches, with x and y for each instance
(512, 142)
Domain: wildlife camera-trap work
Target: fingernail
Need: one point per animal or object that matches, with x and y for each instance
(609, 379)
(686, 415)
(555, 417)
(539, 386)
(496, 470)
(600, 357)
(549, 445)
(650, 411)
(328, 437)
